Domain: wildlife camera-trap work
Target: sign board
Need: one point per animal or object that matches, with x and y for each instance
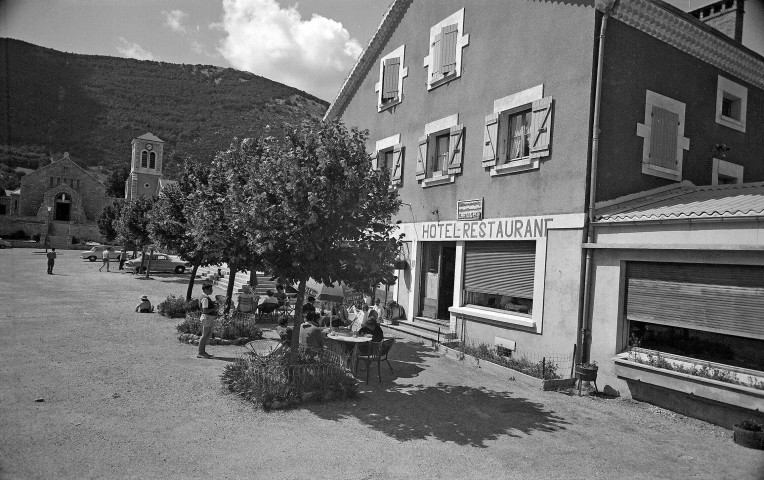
(469, 209)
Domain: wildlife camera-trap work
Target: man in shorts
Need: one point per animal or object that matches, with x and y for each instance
(51, 260)
(209, 312)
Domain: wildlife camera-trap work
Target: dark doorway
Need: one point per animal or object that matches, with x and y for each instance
(446, 290)
(63, 208)
(437, 280)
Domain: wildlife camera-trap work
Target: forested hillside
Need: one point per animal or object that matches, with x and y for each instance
(93, 106)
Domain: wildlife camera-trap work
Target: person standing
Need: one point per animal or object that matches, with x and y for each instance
(208, 311)
(51, 260)
(105, 256)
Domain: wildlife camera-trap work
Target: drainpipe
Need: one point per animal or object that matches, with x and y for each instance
(584, 320)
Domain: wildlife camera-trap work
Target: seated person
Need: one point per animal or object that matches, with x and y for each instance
(145, 305)
(396, 311)
(280, 295)
(372, 328)
(342, 316)
(310, 335)
(360, 318)
(284, 331)
(270, 303)
(309, 307)
(312, 317)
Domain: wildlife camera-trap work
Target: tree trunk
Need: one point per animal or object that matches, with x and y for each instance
(143, 260)
(229, 290)
(148, 265)
(122, 257)
(297, 322)
(253, 278)
(190, 291)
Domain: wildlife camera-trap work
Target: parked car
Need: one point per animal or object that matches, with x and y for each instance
(160, 262)
(96, 253)
(5, 243)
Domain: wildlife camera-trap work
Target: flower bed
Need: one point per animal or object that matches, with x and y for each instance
(233, 327)
(272, 383)
(542, 369)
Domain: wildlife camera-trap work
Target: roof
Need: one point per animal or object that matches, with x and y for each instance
(150, 136)
(685, 201)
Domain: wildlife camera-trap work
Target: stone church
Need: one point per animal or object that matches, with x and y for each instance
(62, 202)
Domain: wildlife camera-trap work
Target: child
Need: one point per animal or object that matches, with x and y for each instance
(145, 305)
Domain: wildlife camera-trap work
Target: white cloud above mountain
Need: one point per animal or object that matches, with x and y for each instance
(133, 50)
(175, 19)
(262, 37)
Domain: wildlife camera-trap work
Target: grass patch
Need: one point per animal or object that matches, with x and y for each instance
(229, 327)
(542, 369)
(272, 383)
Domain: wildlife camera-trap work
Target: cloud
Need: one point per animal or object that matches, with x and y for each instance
(174, 20)
(262, 37)
(133, 50)
(200, 49)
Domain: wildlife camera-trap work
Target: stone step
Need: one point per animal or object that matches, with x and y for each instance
(437, 322)
(420, 329)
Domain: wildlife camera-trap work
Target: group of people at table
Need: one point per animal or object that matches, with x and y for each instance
(359, 321)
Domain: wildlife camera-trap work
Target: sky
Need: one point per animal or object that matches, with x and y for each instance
(310, 44)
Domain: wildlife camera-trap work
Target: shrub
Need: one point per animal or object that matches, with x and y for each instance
(17, 235)
(229, 327)
(177, 307)
(36, 237)
(750, 424)
(271, 382)
(540, 369)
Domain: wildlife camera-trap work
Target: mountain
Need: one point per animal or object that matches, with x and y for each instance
(93, 106)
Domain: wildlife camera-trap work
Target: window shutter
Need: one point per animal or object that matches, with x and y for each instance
(435, 68)
(421, 157)
(374, 159)
(396, 172)
(448, 49)
(663, 138)
(541, 127)
(456, 149)
(390, 79)
(152, 160)
(144, 159)
(501, 268)
(489, 140)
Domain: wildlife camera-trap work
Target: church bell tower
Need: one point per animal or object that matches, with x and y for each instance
(145, 168)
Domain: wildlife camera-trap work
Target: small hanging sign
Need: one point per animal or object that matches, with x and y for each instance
(469, 209)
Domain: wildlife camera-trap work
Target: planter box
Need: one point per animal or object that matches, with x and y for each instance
(721, 403)
(507, 372)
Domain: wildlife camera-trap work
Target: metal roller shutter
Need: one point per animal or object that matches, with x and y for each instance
(501, 268)
(727, 299)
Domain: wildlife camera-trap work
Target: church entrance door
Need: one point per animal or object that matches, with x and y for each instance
(63, 208)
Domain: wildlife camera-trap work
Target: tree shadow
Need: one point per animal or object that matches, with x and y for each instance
(461, 414)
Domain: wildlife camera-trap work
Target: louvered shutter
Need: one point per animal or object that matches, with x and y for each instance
(456, 149)
(500, 268)
(396, 171)
(144, 159)
(727, 299)
(664, 130)
(421, 158)
(541, 127)
(390, 79)
(490, 141)
(375, 160)
(436, 65)
(448, 49)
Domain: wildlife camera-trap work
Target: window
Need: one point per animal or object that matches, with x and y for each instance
(518, 132)
(444, 62)
(144, 159)
(500, 275)
(51, 181)
(731, 104)
(153, 160)
(58, 181)
(440, 152)
(389, 88)
(78, 184)
(664, 140)
(726, 173)
(389, 155)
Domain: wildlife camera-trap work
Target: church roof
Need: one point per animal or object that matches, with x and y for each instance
(150, 136)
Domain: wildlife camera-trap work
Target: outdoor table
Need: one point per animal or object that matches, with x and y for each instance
(350, 341)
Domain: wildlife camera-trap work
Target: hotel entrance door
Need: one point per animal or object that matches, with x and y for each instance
(437, 280)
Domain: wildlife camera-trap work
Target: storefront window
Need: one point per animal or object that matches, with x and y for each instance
(499, 302)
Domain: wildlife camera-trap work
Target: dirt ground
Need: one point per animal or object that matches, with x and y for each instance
(124, 399)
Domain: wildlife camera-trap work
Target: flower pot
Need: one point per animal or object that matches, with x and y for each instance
(587, 374)
(401, 264)
(747, 438)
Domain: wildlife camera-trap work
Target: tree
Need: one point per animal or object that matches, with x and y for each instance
(132, 226)
(169, 226)
(215, 213)
(316, 208)
(107, 221)
(115, 182)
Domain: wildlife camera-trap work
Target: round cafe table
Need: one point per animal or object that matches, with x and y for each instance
(350, 342)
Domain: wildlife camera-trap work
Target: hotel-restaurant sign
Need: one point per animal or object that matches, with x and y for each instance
(493, 229)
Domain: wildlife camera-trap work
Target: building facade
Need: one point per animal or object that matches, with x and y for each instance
(145, 177)
(492, 119)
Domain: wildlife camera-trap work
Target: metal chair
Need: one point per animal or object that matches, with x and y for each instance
(373, 352)
(267, 309)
